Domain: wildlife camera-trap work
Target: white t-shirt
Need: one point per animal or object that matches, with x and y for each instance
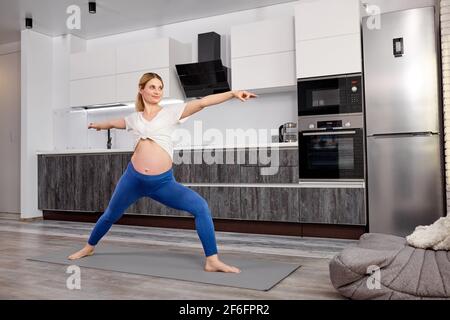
(159, 129)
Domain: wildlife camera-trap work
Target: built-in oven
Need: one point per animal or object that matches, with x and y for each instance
(331, 148)
(330, 95)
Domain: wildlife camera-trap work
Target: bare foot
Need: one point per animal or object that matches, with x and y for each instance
(86, 251)
(213, 264)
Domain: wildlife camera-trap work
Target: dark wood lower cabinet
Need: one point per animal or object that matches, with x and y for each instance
(224, 202)
(253, 174)
(269, 204)
(86, 182)
(77, 182)
(332, 205)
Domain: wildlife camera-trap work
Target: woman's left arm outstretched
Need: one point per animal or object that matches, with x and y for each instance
(194, 106)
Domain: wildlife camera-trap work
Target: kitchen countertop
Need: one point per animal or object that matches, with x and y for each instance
(87, 151)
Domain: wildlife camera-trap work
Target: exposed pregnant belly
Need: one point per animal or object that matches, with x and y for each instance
(150, 158)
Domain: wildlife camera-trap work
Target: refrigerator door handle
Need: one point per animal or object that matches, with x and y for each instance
(410, 134)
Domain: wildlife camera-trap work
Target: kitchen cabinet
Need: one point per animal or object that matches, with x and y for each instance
(90, 91)
(91, 64)
(242, 166)
(153, 54)
(316, 19)
(253, 174)
(127, 84)
(269, 204)
(226, 167)
(224, 202)
(263, 56)
(329, 56)
(332, 205)
(264, 73)
(182, 166)
(86, 182)
(77, 182)
(327, 38)
(159, 56)
(282, 164)
(262, 37)
(112, 75)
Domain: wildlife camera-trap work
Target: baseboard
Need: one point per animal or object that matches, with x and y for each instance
(226, 225)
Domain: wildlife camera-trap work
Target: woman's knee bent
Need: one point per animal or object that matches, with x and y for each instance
(201, 208)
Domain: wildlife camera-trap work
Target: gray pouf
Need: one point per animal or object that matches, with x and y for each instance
(400, 271)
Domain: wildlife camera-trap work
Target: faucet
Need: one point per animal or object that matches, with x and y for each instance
(108, 144)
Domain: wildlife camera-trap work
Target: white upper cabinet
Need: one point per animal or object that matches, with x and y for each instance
(127, 85)
(263, 56)
(262, 37)
(314, 57)
(265, 73)
(326, 18)
(112, 76)
(159, 56)
(328, 38)
(143, 56)
(98, 90)
(90, 64)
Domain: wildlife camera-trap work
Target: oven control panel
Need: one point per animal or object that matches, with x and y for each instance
(354, 88)
(330, 122)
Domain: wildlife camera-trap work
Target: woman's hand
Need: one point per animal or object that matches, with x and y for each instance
(244, 95)
(93, 125)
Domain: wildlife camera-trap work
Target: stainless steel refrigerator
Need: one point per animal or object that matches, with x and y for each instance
(404, 154)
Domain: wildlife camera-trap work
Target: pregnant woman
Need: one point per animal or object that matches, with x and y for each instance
(150, 173)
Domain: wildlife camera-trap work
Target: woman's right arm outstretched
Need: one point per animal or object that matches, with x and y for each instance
(110, 124)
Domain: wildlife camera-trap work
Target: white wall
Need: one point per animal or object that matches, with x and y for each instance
(36, 113)
(10, 127)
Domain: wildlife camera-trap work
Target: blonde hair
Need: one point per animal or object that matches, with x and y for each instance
(146, 77)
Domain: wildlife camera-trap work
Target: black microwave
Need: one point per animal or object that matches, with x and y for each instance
(330, 95)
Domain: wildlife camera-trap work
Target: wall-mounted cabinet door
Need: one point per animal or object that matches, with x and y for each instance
(262, 37)
(316, 19)
(329, 56)
(332, 205)
(127, 84)
(264, 73)
(91, 64)
(90, 91)
(150, 55)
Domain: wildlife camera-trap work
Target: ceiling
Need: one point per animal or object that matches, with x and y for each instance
(113, 16)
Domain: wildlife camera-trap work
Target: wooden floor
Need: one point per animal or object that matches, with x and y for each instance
(24, 279)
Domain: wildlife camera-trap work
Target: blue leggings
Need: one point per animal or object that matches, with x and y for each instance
(164, 189)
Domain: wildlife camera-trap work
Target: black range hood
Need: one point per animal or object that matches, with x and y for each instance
(208, 75)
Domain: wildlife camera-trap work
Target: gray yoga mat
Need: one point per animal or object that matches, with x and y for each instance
(257, 274)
